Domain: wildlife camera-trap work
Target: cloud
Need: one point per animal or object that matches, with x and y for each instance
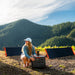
(34, 10)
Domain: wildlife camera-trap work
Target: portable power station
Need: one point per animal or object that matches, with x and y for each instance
(39, 61)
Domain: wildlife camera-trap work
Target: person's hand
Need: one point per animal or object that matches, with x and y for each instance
(34, 55)
(32, 59)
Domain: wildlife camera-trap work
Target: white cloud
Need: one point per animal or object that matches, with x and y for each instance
(35, 10)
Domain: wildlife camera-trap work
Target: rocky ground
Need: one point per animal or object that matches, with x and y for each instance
(58, 66)
(64, 63)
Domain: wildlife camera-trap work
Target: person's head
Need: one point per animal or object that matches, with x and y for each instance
(28, 41)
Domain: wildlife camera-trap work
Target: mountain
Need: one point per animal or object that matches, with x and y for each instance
(13, 34)
(67, 30)
(58, 41)
(72, 34)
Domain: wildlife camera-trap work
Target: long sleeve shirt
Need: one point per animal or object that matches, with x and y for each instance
(25, 51)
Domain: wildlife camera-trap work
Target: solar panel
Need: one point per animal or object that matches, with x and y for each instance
(12, 51)
(59, 52)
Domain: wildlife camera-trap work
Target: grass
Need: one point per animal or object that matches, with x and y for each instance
(73, 71)
(50, 65)
(62, 66)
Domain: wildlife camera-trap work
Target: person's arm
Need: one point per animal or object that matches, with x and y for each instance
(25, 52)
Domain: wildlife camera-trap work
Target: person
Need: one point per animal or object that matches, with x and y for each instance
(28, 52)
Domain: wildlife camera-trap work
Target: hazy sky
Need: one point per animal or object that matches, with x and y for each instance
(45, 12)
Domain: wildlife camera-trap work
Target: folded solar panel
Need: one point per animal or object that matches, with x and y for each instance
(59, 52)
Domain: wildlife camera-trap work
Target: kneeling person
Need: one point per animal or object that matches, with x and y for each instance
(28, 51)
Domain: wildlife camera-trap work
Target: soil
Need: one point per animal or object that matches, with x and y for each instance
(64, 63)
(57, 66)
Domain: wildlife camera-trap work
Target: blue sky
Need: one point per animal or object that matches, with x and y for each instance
(64, 14)
(44, 12)
(59, 17)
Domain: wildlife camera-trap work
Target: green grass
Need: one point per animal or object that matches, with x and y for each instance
(48, 47)
(73, 71)
(62, 66)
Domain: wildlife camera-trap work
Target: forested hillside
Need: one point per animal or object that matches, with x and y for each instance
(13, 34)
(59, 41)
(68, 38)
(72, 34)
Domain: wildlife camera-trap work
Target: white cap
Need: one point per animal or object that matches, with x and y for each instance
(28, 39)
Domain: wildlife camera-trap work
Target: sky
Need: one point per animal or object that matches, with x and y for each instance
(44, 12)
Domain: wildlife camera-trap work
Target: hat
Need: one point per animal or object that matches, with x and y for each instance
(28, 39)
